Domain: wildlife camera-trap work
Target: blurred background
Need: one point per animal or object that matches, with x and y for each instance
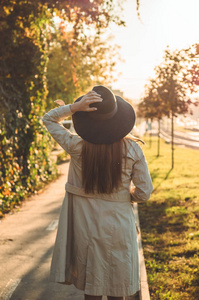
(146, 51)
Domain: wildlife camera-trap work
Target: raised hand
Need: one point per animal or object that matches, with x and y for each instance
(84, 103)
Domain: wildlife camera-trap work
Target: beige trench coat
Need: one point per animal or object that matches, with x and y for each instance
(96, 244)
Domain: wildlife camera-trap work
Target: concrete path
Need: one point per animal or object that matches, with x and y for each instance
(26, 242)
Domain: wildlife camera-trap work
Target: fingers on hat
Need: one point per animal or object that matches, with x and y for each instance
(91, 92)
(93, 97)
(92, 108)
(95, 100)
(94, 93)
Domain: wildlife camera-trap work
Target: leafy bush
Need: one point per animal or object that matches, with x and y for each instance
(24, 151)
(26, 35)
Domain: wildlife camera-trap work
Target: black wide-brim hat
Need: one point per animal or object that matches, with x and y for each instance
(113, 119)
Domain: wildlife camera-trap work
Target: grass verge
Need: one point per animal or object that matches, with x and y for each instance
(170, 224)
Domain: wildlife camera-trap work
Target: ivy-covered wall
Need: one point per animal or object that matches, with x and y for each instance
(24, 143)
(30, 41)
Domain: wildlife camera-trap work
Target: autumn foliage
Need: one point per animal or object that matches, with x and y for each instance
(169, 93)
(29, 42)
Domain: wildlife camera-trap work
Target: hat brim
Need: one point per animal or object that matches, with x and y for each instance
(105, 131)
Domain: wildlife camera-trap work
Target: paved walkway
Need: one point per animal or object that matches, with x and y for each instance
(26, 243)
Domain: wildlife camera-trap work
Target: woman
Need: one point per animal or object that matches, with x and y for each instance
(96, 245)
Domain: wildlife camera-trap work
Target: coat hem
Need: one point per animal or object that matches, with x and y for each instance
(96, 290)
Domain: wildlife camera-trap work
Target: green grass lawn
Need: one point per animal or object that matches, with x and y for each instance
(170, 223)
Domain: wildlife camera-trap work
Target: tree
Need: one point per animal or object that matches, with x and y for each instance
(173, 86)
(74, 67)
(169, 93)
(192, 75)
(24, 38)
(151, 107)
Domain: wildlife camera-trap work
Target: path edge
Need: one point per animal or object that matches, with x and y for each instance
(144, 288)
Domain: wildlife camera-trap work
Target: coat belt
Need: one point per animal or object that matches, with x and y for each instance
(120, 196)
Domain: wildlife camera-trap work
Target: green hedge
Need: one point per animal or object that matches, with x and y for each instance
(24, 144)
(26, 35)
(23, 169)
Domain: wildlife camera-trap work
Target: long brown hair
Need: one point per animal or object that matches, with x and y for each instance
(102, 166)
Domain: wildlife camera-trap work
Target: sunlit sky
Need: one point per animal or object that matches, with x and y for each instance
(163, 22)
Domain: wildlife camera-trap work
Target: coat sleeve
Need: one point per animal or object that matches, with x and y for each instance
(141, 179)
(61, 135)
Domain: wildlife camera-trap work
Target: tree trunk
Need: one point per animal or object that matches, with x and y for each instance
(158, 154)
(172, 140)
(150, 135)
